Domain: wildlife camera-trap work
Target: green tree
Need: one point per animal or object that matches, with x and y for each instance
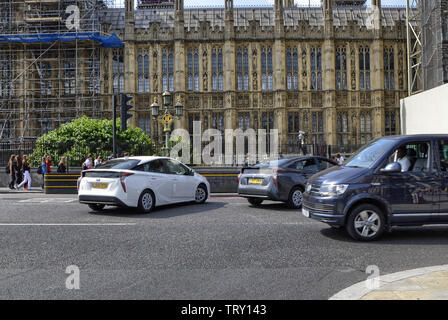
(78, 138)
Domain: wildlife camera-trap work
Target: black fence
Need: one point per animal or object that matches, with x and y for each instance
(27, 147)
(8, 148)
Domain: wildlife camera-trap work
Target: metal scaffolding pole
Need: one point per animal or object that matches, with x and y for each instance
(414, 45)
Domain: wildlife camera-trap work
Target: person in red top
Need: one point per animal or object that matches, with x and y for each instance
(48, 164)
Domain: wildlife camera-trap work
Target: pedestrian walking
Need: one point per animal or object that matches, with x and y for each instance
(48, 163)
(26, 174)
(43, 170)
(62, 167)
(19, 172)
(12, 171)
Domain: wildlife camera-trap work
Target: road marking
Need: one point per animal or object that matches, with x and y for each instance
(67, 224)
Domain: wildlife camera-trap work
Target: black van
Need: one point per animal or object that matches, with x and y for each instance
(391, 181)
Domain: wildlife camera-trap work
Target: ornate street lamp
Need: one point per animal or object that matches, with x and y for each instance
(167, 118)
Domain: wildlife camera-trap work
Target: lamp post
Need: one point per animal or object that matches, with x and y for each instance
(166, 118)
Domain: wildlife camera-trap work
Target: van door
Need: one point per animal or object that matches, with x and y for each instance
(411, 193)
(442, 163)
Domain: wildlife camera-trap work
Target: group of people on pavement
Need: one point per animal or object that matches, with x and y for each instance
(19, 169)
(19, 172)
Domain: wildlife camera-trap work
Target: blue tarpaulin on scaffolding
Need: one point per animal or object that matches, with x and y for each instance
(108, 42)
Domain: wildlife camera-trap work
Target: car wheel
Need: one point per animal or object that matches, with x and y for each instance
(295, 198)
(146, 202)
(366, 223)
(201, 194)
(96, 206)
(255, 202)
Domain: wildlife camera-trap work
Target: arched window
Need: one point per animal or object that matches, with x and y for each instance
(364, 68)
(292, 69)
(242, 66)
(217, 70)
(266, 68)
(167, 69)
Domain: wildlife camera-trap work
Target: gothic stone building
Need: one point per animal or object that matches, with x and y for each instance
(336, 71)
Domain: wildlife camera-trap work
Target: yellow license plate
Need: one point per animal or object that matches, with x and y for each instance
(255, 181)
(98, 185)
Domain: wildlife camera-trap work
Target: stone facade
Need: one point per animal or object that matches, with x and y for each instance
(335, 72)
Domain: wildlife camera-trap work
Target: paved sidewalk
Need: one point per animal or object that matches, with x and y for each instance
(430, 283)
(32, 190)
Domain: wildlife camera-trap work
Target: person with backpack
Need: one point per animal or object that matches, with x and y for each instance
(43, 170)
(12, 165)
(26, 173)
(88, 164)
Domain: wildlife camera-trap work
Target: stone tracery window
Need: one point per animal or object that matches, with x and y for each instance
(341, 68)
(389, 68)
(217, 70)
(292, 69)
(266, 68)
(316, 68)
(242, 65)
(364, 68)
(193, 69)
(167, 69)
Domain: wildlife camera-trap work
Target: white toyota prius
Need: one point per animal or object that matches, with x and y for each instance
(142, 183)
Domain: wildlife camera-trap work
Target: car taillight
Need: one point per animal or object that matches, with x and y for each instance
(78, 183)
(274, 175)
(239, 176)
(123, 177)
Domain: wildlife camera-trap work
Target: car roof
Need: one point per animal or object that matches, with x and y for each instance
(417, 136)
(143, 158)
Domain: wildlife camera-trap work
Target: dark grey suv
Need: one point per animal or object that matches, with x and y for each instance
(280, 180)
(392, 181)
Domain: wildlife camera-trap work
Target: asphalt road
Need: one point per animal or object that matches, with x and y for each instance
(224, 249)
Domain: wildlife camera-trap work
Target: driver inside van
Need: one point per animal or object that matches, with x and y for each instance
(402, 159)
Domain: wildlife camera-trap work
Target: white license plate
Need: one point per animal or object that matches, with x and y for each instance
(305, 212)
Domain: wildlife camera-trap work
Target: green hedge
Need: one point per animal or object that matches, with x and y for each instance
(78, 138)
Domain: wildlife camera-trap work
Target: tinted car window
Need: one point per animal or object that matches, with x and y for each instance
(305, 164)
(325, 164)
(126, 164)
(443, 154)
(175, 167)
(156, 166)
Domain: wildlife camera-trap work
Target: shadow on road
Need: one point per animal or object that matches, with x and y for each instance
(278, 206)
(399, 235)
(164, 212)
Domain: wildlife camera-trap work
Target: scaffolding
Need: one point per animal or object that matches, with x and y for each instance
(45, 84)
(414, 45)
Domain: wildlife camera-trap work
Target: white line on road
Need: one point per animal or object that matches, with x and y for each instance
(67, 224)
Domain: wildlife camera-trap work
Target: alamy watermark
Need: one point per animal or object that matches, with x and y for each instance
(73, 281)
(230, 147)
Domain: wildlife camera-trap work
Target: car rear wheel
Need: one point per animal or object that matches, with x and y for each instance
(96, 206)
(295, 198)
(201, 194)
(255, 202)
(146, 202)
(366, 223)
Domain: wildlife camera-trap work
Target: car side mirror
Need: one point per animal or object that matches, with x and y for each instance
(190, 172)
(393, 167)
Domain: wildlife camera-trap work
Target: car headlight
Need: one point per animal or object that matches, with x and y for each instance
(332, 190)
(308, 188)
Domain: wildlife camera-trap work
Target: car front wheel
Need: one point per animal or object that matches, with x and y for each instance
(366, 223)
(295, 198)
(146, 202)
(201, 194)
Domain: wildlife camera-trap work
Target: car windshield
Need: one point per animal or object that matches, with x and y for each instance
(370, 153)
(274, 163)
(119, 164)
